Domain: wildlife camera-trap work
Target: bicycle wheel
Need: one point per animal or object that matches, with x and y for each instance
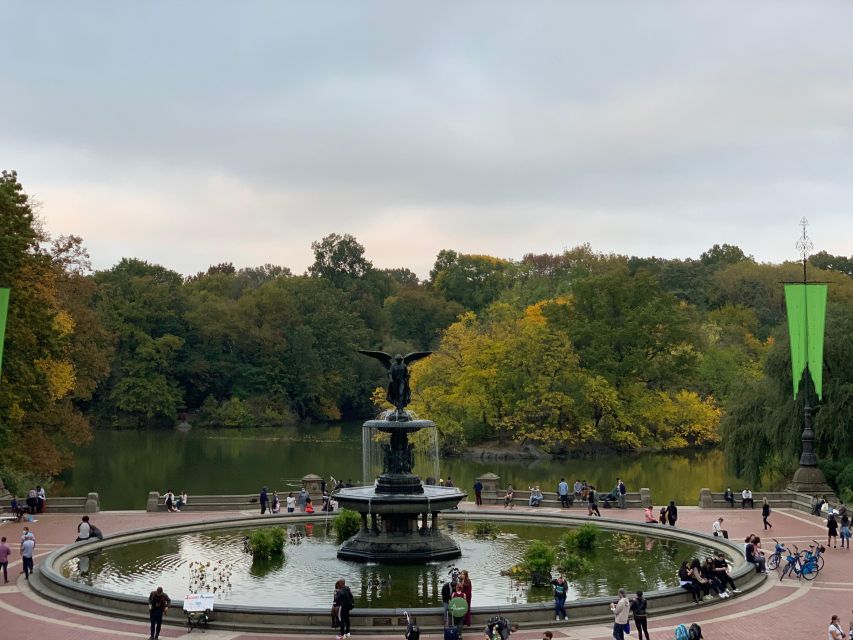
(809, 571)
(819, 563)
(786, 571)
(773, 561)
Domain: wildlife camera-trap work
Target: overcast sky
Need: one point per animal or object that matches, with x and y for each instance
(191, 133)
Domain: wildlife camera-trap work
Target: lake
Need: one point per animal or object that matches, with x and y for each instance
(123, 466)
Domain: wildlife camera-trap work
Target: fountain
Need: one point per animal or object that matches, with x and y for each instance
(399, 514)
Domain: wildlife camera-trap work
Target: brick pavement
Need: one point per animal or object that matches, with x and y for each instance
(791, 610)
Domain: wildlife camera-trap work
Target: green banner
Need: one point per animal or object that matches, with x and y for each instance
(4, 307)
(806, 305)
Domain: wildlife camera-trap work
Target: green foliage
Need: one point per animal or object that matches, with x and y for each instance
(346, 524)
(539, 558)
(572, 565)
(266, 543)
(582, 538)
(486, 529)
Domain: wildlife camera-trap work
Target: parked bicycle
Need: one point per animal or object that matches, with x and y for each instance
(797, 565)
(774, 560)
(815, 551)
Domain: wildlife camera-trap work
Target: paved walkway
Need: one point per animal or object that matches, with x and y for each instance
(791, 609)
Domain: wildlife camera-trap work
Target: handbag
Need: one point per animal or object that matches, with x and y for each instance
(627, 627)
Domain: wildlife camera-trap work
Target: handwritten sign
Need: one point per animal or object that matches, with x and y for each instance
(198, 602)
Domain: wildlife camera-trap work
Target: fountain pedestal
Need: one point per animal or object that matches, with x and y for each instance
(399, 515)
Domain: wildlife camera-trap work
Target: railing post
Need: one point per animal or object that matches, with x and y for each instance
(646, 497)
(153, 501)
(93, 503)
(490, 487)
(706, 499)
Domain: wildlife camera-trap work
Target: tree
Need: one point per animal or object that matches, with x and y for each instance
(474, 281)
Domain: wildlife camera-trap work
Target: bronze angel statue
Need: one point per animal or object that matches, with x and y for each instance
(398, 392)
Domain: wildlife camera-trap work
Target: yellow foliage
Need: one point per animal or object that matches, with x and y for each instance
(63, 323)
(59, 376)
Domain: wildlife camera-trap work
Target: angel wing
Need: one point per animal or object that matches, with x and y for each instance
(416, 355)
(383, 357)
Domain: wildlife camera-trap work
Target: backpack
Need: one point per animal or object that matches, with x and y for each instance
(681, 633)
(695, 632)
(347, 600)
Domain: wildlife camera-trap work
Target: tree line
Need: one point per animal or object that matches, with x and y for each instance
(573, 351)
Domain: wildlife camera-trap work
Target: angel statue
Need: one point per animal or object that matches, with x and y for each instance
(398, 392)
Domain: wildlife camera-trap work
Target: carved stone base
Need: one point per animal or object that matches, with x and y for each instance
(811, 481)
(399, 548)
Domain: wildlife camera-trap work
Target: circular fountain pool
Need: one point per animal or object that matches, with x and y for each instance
(305, 577)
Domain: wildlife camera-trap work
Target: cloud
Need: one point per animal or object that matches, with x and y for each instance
(195, 133)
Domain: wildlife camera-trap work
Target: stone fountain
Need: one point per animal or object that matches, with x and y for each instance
(399, 514)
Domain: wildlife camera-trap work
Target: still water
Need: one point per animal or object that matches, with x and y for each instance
(306, 575)
(123, 466)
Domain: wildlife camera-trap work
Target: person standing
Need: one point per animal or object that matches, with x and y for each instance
(563, 492)
(765, 513)
(32, 500)
(276, 503)
(620, 493)
(831, 530)
(561, 588)
(5, 552)
(621, 610)
(41, 499)
(28, 547)
(835, 632)
(672, 513)
(344, 602)
(845, 530)
(641, 621)
(264, 500)
(447, 590)
(302, 499)
(291, 503)
(467, 590)
(478, 493)
(158, 605)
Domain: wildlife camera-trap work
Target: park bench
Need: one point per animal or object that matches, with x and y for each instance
(778, 500)
(63, 504)
(551, 499)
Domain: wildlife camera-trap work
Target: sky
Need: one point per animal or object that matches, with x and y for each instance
(193, 133)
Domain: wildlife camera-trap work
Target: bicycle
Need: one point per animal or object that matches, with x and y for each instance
(774, 560)
(817, 554)
(801, 568)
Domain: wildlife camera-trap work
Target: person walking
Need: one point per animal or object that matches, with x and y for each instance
(478, 493)
(158, 605)
(835, 632)
(264, 500)
(561, 588)
(765, 513)
(621, 610)
(344, 603)
(672, 513)
(641, 621)
(592, 502)
(563, 492)
(5, 552)
(831, 530)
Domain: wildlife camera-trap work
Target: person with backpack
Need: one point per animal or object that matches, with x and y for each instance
(343, 603)
(671, 513)
(561, 588)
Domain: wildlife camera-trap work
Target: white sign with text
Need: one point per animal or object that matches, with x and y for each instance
(198, 602)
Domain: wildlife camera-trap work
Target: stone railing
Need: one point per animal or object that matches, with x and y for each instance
(90, 503)
(491, 494)
(777, 499)
(238, 502)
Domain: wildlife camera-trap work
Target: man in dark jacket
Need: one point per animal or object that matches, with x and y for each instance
(158, 605)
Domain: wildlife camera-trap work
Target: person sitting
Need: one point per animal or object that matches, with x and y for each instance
(84, 531)
(182, 500)
(746, 496)
(309, 508)
(729, 497)
(535, 497)
(508, 502)
(499, 627)
(17, 509)
(754, 556)
(649, 515)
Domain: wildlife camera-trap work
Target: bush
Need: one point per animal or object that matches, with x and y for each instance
(266, 543)
(487, 529)
(346, 524)
(583, 537)
(573, 565)
(538, 559)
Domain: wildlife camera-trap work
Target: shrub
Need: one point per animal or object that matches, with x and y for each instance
(538, 560)
(485, 528)
(346, 524)
(573, 565)
(266, 543)
(583, 537)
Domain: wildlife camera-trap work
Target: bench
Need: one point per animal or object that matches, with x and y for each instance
(778, 500)
(242, 502)
(90, 503)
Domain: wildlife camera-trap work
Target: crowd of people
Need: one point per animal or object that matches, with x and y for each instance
(581, 491)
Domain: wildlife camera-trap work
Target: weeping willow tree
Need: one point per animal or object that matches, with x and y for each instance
(763, 423)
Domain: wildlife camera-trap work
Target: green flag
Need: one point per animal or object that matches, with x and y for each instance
(806, 304)
(4, 307)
